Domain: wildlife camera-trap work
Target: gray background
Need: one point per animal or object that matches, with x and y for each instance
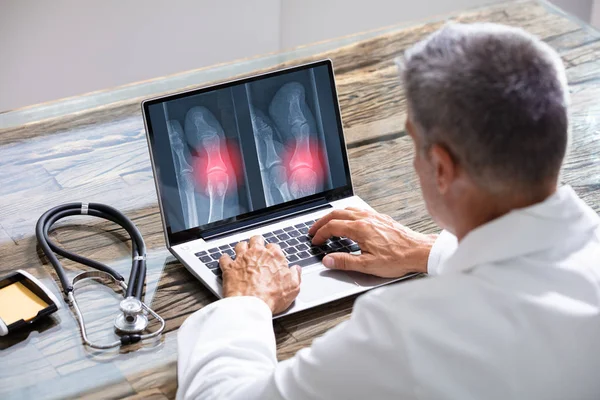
(60, 48)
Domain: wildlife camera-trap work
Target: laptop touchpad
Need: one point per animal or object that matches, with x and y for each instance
(368, 281)
(325, 283)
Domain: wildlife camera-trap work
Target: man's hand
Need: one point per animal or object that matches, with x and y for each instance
(261, 272)
(389, 249)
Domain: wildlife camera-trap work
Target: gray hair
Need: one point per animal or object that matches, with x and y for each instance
(496, 98)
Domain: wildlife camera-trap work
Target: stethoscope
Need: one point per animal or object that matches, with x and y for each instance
(133, 318)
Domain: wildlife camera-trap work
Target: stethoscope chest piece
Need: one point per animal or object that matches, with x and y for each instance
(131, 321)
(132, 318)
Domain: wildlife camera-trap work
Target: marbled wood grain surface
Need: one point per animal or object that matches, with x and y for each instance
(101, 155)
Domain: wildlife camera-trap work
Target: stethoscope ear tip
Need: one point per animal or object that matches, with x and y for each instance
(133, 319)
(130, 339)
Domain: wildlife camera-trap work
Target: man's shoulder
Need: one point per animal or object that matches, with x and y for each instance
(459, 303)
(428, 288)
(445, 297)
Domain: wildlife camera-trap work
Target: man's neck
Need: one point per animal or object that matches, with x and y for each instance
(483, 207)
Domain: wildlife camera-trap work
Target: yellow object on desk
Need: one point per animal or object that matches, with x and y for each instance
(18, 302)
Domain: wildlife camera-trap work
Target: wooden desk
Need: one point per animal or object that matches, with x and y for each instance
(92, 148)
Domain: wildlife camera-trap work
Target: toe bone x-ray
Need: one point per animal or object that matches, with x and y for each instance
(248, 146)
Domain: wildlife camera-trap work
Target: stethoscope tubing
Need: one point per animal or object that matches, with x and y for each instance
(137, 276)
(124, 340)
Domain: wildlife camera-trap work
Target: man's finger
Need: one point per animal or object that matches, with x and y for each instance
(240, 248)
(336, 228)
(296, 275)
(334, 215)
(225, 261)
(345, 262)
(277, 249)
(356, 209)
(273, 246)
(257, 241)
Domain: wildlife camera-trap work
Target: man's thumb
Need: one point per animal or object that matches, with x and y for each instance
(342, 261)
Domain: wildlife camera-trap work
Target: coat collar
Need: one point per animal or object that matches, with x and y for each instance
(525, 231)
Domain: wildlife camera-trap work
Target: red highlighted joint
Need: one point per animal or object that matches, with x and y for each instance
(217, 168)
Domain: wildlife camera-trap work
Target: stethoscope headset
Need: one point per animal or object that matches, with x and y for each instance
(132, 320)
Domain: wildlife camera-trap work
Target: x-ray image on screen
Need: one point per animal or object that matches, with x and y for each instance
(184, 173)
(204, 158)
(216, 183)
(245, 147)
(290, 149)
(273, 171)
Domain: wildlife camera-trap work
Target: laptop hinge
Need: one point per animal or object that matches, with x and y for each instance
(257, 224)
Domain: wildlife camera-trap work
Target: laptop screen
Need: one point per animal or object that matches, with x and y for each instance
(244, 149)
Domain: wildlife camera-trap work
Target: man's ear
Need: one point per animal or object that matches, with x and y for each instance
(444, 167)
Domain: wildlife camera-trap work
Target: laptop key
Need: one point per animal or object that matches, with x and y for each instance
(206, 259)
(315, 251)
(304, 238)
(291, 250)
(336, 245)
(292, 258)
(201, 253)
(213, 264)
(299, 226)
(230, 252)
(309, 261)
(224, 247)
(294, 233)
(302, 246)
(292, 242)
(346, 242)
(304, 255)
(217, 272)
(283, 236)
(303, 231)
(289, 228)
(354, 247)
(268, 234)
(326, 248)
(215, 256)
(272, 239)
(278, 232)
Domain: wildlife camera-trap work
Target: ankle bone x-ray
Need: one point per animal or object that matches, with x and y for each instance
(249, 146)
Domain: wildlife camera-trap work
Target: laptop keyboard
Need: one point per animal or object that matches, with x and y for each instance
(294, 242)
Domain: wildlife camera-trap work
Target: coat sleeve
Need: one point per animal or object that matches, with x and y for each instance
(442, 249)
(227, 351)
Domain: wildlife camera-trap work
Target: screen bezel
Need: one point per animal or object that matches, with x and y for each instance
(174, 238)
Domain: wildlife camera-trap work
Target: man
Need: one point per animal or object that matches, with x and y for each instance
(512, 310)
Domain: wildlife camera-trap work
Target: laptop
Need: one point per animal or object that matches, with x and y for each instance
(263, 155)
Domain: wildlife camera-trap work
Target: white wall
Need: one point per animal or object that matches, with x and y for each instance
(60, 48)
(580, 8)
(595, 19)
(307, 21)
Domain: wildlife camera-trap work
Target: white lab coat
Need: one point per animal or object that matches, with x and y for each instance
(513, 312)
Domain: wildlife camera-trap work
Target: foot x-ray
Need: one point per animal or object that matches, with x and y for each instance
(289, 165)
(215, 177)
(273, 171)
(249, 146)
(184, 173)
